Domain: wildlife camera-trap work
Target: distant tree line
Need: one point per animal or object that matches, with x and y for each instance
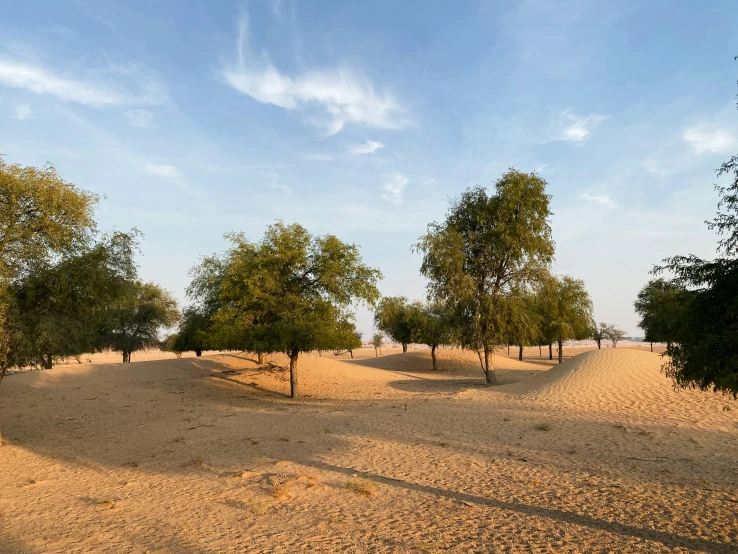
(67, 288)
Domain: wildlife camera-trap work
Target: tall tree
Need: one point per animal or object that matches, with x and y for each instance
(62, 303)
(40, 214)
(521, 319)
(280, 294)
(133, 322)
(434, 328)
(661, 304)
(568, 310)
(396, 319)
(377, 342)
(488, 244)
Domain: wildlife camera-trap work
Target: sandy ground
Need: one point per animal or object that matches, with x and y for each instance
(382, 454)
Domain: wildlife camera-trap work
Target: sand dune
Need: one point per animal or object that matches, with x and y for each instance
(382, 455)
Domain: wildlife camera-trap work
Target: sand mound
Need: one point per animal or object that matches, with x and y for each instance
(621, 381)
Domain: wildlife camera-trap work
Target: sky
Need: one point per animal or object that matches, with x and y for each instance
(363, 119)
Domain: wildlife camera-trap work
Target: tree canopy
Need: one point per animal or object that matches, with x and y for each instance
(488, 244)
(395, 317)
(285, 293)
(434, 327)
(660, 305)
(567, 310)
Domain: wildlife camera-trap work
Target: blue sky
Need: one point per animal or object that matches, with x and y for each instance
(363, 119)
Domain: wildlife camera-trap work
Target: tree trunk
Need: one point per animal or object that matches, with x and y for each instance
(126, 357)
(48, 361)
(433, 356)
(404, 347)
(651, 347)
(540, 354)
(260, 358)
(561, 351)
(2, 374)
(520, 354)
(489, 374)
(376, 352)
(320, 353)
(352, 353)
(599, 344)
(508, 349)
(198, 352)
(550, 352)
(294, 389)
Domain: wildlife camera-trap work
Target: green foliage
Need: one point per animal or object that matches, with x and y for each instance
(614, 334)
(61, 305)
(133, 321)
(598, 332)
(566, 310)
(193, 334)
(40, 214)
(488, 245)
(286, 293)
(661, 305)
(377, 342)
(395, 317)
(434, 326)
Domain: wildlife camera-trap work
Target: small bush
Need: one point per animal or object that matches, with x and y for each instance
(543, 427)
(364, 488)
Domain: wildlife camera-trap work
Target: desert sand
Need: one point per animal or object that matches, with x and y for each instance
(192, 455)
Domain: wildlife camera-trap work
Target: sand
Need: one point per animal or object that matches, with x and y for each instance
(382, 454)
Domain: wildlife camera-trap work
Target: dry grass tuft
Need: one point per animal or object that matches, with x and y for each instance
(107, 503)
(195, 462)
(364, 488)
(543, 427)
(279, 492)
(130, 464)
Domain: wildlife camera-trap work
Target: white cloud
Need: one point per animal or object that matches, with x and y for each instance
(369, 147)
(426, 183)
(393, 188)
(329, 98)
(602, 199)
(568, 126)
(168, 171)
(710, 141)
(319, 157)
(39, 80)
(21, 112)
(140, 118)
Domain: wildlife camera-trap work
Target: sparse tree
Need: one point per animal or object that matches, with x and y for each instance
(396, 319)
(661, 304)
(193, 334)
(614, 335)
(434, 327)
(377, 342)
(522, 320)
(282, 293)
(567, 310)
(134, 321)
(599, 333)
(487, 245)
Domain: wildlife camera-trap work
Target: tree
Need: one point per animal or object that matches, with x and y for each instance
(567, 310)
(377, 342)
(344, 337)
(40, 214)
(434, 327)
(133, 322)
(522, 321)
(615, 335)
(396, 319)
(660, 304)
(282, 293)
(193, 334)
(598, 333)
(487, 245)
(62, 303)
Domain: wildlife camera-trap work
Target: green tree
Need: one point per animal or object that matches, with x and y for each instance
(394, 317)
(133, 322)
(567, 310)
(661, 304)
(615, 335)
(40, 214)
(344, 337)
(193, 333)
(487, 245)
(598, 333)
(434, 328)
(282, 293)
(377, 342)
(521, 319)
(62, 304)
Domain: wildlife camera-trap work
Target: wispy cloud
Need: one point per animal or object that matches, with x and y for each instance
(21, 112)
(568, 126)
(602, 199)
(330, 98)
(319, 157)
(393, 187)
(141, 118)
(710, 141)
(168, 171)
(40, 80)
(426, 183)
(368, 147)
